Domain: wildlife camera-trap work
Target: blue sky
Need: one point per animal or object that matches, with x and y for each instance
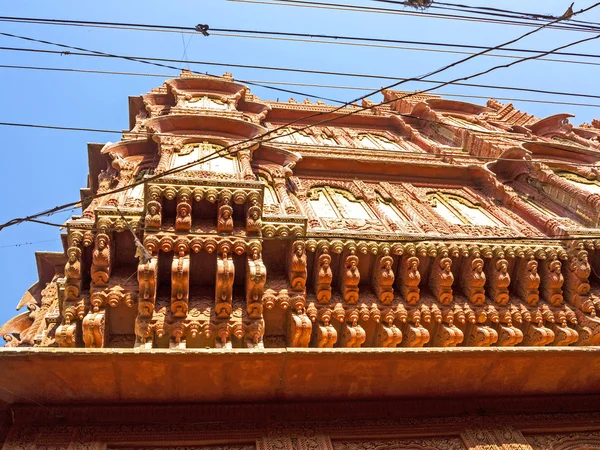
(44, 168)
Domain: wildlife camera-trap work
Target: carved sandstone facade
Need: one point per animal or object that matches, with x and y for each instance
(419, 223)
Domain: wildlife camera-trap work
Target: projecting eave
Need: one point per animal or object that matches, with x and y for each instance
(282, 113)
(205, 125)
(408, 168)
(455, 106)
(562, 152)
(136, 147)
(550, 124)
(88, 376)
(205, 84)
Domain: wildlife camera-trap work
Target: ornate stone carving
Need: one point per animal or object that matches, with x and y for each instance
(473, 280)
(297, 267)
(349, 278)
(224, 286)
(322, 278)
(441, 279)
(180, 285)
(300, 328)
(147, 279)
(183, 221)
(551, 282)
(577, 285)
(528, 281)
(225, 220)
(383, 278)
(93, 330)
(256, 276)
(101, 260)
(409, 279)
(498, 281)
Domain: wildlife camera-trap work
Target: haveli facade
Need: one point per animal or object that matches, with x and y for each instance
(420, 248)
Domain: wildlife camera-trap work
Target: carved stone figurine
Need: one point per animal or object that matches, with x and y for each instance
(441, 281)
(153, 215)
(225, 222)
(383, 279)
(528, 283)
(349, 279)
(183, 222)
(323, 278)
(180, 281)
(473, 282)
(577, 285)
(298, 268)
(253, 222)
(73, 274)
(551, 286)
(499, 281)
(224, 286)
(147, 277)
(101, 260)
(410, 279)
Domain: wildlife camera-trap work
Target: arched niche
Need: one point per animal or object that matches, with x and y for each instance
(457, 210)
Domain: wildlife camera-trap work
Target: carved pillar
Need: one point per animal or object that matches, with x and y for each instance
(180, 284)
(349, 278)
(165, 151)
(224, 285)
(244, 157)
(297, 267)
(383, 278)
(280, 186)
(322, 277)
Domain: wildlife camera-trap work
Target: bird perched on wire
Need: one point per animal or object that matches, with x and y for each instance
(202, 28)
(568, 13)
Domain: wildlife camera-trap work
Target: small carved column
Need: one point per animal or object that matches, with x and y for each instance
(350, 277)
(280, 187)
(180, 283)
(224, 284)
(148, 283)
(165, 150)
(244, 157)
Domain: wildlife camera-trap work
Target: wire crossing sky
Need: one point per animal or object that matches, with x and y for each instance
(47, 167)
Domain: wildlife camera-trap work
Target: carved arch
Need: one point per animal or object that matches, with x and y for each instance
(458, 210)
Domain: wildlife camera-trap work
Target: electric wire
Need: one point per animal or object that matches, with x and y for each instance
(332, 39)
(261, 138)
(312, 72)
(287, 83)
(430, 15)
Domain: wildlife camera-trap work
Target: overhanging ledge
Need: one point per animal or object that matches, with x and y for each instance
(60, 376)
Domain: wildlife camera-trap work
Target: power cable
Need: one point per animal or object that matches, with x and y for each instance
(428, 14)
(286, 83)
(333, 38)
(261, 137)
(312, 72)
